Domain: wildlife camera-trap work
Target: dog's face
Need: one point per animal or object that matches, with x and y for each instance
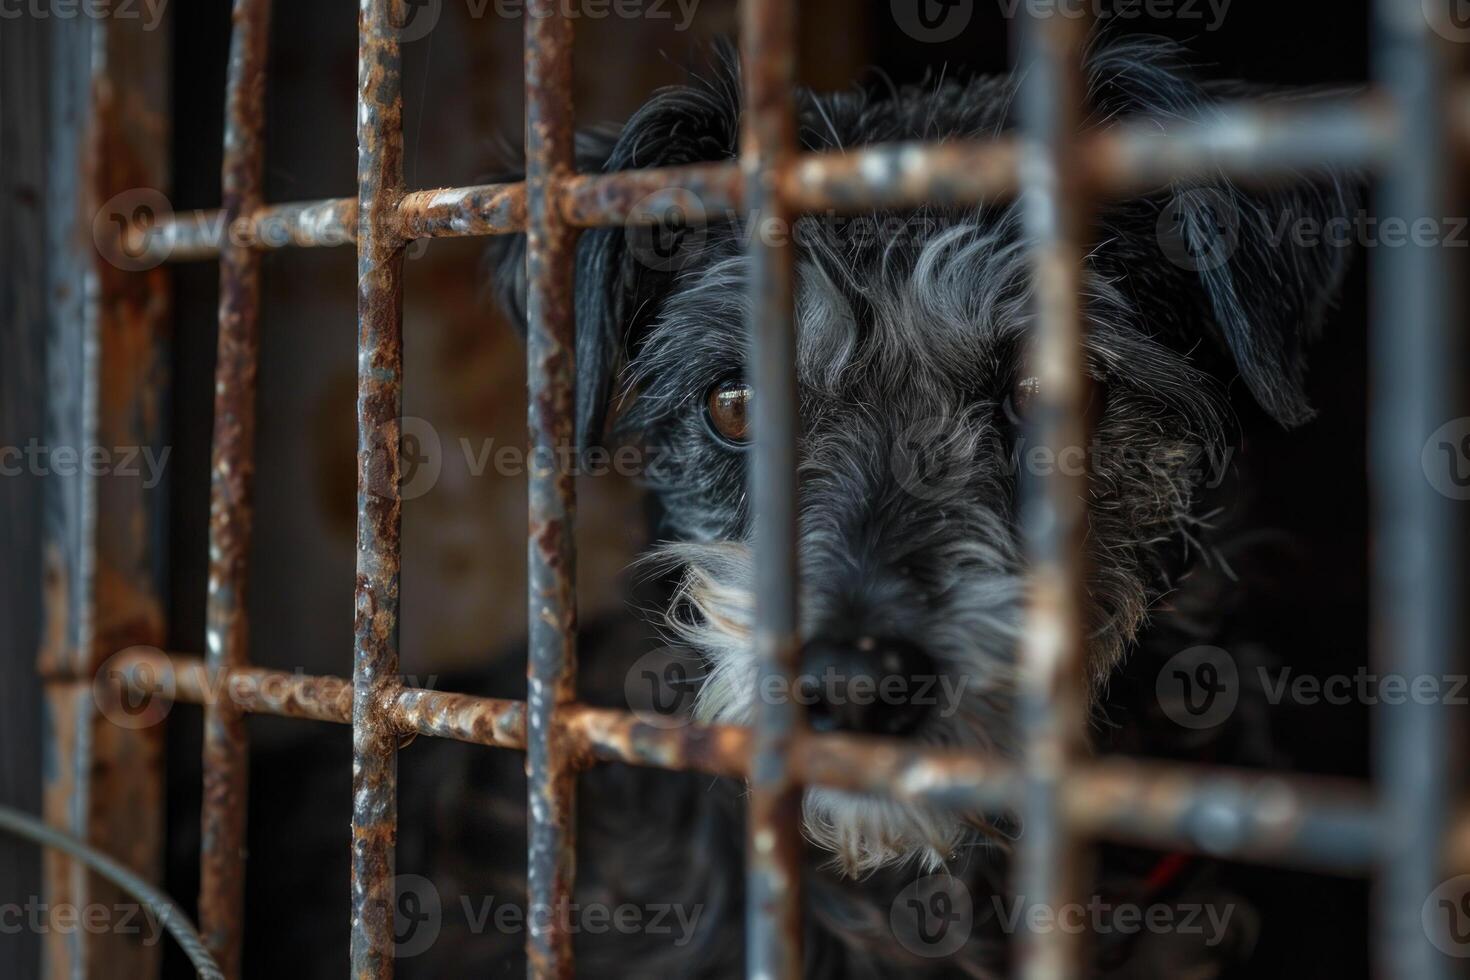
(914, 384)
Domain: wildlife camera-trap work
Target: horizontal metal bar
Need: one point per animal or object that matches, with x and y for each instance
(197, 235)
(644, 196)
(900, 175)
(462, 717)
(460, 212)
(1243, 141)
(1314, 822)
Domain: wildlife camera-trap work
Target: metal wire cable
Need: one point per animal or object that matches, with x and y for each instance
(164, 908)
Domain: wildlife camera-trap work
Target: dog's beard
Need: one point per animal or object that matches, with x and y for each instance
(972, 639)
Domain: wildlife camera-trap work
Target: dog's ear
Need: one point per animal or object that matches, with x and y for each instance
(619, 283)
(1214, 257)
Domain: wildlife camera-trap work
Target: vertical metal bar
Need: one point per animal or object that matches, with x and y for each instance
(231, 486)
(551, 551)
(1051, 711)
(379, 398)
(1414, 588)
(106, 358)
(768, 143)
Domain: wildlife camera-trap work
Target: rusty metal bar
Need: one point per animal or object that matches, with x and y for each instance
(457, 212)
(379, 402)
(897, 175)
(1052, 869)
(202, 234)
(551, 552)
(107, 365)
(226, 760)
(641, 196)
(767, 148)
(462, 717)
(1415, 589)
(1245, 141)
(1309, 821)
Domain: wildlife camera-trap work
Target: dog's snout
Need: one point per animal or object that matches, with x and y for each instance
(866, 684)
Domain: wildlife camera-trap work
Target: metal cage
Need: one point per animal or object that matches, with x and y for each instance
(1407, 130)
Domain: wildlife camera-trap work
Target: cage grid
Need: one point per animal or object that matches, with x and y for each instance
(1408, 130)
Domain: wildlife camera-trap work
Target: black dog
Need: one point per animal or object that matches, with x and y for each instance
(913, 390)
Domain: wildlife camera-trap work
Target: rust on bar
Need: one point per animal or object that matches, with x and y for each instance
(305, 224)
(459, 212)
(226, 760)
(619, 736)
(551, 555)
(1247, 141)
(898, 770)
(252, 690)
(103, 535)
(1052, 868)
(900, 175)
(642, 196)
(201, 234)
(379, 505)
(462, 717)
(1312, 822)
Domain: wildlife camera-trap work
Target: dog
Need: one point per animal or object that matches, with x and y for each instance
(911, 338)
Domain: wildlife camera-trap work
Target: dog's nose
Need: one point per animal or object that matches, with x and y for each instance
(876, 685)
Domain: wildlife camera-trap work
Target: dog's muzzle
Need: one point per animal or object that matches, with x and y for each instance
(865, 684)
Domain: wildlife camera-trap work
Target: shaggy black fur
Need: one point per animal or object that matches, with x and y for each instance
(911, 351)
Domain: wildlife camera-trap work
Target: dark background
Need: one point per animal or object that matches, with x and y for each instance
(463, 586)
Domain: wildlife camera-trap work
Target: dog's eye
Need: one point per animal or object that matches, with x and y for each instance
(1018, 402)
(727, 411)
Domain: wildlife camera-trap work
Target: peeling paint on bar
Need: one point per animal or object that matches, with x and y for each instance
(551, 554)
(226, 758)
(379, 399)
